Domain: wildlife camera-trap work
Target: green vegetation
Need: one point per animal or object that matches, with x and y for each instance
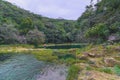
(117, 69)
(100, 21)
(107, 70)
(73, 72)
(97, 24)
(35, 37)
(8, 34)
(45, 55)
(99, 31)
(55, 30)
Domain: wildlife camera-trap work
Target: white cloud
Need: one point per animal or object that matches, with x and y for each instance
(18, 2)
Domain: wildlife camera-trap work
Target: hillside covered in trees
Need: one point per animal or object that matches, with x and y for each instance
(16, 24)
(100, 22)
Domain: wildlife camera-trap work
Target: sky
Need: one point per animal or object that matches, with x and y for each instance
(67, 9)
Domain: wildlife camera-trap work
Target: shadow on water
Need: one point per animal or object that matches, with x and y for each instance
(5, 56)
(66, 56)
(64, 46)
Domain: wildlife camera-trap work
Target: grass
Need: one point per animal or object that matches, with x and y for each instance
(45, 55)
(73, 72)
(89, 68)
(107, 70)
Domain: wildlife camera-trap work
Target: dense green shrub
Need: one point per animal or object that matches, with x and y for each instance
(115, 27)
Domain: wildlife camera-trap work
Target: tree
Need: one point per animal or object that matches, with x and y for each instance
(8, 34)
(35, 37)
(26, 25)
(100, 31)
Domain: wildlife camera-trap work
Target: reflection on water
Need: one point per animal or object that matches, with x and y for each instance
(65, 46)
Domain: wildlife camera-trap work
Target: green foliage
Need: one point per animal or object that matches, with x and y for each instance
(35, 37)
(8, 34)
(45, 55)
(115, 27)
(66, 31)
(112, 3)
(73, 72)
(106, 70)
(56, 30)
(89, 68)
(70, 61)
(105, 12)
(26, 25)
(100, 31)
(117, 69)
